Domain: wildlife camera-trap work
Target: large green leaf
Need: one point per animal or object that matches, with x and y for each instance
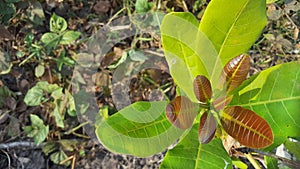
(275, 95)
(294, 147)
(189, 153)
(141, 129)
(188, 51)
(233, 26)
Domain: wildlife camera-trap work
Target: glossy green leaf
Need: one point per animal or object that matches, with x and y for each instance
(181, 112)
(239, 164)
(233, 27)
(50, 40)
(275, 95)
(183, 45)
(141, 129)
(294, 147)
(190, 153)
(271, 162)
(57, 24)
(69, 37)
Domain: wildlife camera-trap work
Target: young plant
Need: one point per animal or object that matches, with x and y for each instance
(58, 35)
(63, 102)
(260, 112)
(37, 130)
(242, 124)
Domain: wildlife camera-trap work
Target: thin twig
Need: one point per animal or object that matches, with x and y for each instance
(115, 16)
(260, 153)
(20, 144)
(8, 158)
(185, 8)
(252, 160)
(73, 162)
(288, 162)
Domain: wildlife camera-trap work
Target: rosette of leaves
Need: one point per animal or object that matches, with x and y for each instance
(242, 124)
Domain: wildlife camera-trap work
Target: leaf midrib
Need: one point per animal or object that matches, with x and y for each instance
(231, 27)
(267, 101)
(232, 119)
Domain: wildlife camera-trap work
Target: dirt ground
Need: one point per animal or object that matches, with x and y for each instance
(278, 43)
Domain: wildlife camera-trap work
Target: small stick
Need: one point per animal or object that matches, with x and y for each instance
(8, 158)
(20, 144)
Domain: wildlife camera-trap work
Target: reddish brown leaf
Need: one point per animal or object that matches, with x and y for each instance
(181, 112)
(221, 102)
(202, 89)
(207, 128)
(247, 127)
(235, 72)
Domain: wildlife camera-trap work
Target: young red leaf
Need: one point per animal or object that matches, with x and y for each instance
(247, 127)
(235, 72)
(181, 112)
(207, 128)
(202, 89)
(221, 102)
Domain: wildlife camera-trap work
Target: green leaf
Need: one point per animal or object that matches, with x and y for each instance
(63, 59)
(50, 147)
(50, 40)
(189, 153)
(142, 6)
(233, 27)
(183, 45)
(39, 70)
(34, 96)
(57, 24)
(294, 147)
(37, 130)
(275, 96)
(141, 129)
(29, 39)
(58, 115)
(58, 157)
(69, 37)
(239, 164)
(271, 162)
(71, 104)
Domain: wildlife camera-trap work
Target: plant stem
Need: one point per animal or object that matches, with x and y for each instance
(252, 160)
(288, 162)
(76, 128)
